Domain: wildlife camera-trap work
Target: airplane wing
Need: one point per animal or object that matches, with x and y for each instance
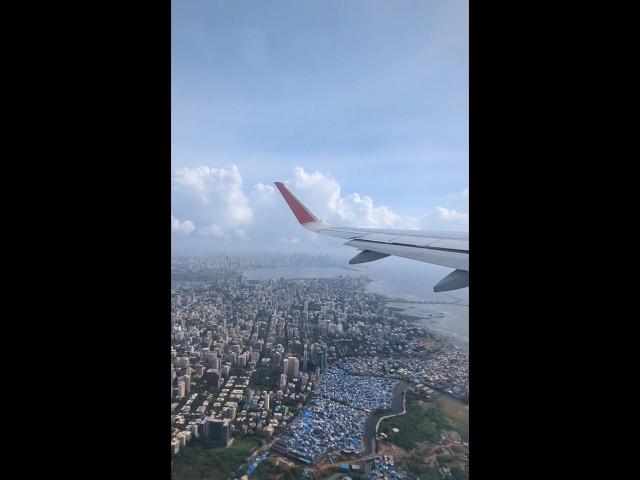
(448, 249)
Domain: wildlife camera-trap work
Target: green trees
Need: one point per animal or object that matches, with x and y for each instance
(417, 425)
(199, 461)
(268, 471)
(265, 378)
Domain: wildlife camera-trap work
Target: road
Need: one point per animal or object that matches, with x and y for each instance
(371, 424)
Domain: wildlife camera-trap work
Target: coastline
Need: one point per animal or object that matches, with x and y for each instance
(445, 334)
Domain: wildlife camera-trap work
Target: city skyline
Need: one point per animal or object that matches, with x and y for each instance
(296, 375)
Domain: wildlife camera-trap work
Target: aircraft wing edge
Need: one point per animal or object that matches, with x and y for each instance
(375, 244)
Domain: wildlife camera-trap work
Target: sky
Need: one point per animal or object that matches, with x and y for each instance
(360, 107)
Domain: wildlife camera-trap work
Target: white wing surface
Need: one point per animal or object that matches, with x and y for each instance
(448, 249)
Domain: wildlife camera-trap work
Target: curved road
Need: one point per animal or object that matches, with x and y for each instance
(371, 424)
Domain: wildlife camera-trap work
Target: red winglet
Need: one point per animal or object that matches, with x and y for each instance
(299, 210)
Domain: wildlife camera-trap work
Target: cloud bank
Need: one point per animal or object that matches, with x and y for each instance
(211, 203)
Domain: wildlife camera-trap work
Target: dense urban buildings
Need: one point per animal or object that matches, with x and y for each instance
(299, 363)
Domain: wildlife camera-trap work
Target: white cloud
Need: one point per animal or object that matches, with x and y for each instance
(355, 209)
(214, 201)
(215, 205)
(448, 214)
(262, 191)
(323, 192)
(445, 219)
(320, 192)
(182, 228)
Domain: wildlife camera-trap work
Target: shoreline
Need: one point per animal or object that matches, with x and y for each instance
(448, 337)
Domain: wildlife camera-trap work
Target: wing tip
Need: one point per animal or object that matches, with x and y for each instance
(302, 214)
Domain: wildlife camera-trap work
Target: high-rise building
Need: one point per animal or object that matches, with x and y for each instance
(294, 366)
(230, 357)
(213, 378)
(267, 400)
(181, 389)
(219, 431)
(305, 357)
(215, 362)
(242, 361)
(323, 365)
(212, 360)
(283, 381)
(186, 381)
